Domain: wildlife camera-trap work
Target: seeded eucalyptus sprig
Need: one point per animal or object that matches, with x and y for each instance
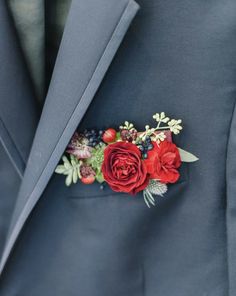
(163, 123)
(127, 126)
(174, 125)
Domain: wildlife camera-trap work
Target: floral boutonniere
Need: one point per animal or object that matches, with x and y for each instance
(127, 160)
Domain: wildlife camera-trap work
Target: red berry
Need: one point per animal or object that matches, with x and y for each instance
(88, 180)
(109, 135)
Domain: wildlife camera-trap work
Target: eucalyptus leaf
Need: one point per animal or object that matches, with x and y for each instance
(187, 156)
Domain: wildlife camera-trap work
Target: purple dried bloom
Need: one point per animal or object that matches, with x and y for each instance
(78, 147)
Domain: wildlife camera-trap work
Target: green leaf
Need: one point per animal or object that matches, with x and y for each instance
(75, 176)
(69, 179)
(187, 156)
(78, 172)
(99, 177)
(70, 168)
(67, 165)
(73, 162)
(118, 137)
(97, 157)
(65, 159)
(60, 169)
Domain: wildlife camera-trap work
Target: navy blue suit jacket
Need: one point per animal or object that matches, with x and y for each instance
(117, 62)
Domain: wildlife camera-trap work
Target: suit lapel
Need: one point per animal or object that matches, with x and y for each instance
(93, 33)
(11, 149)
(17, 124)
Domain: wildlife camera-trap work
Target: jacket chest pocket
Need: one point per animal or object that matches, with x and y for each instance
(96, 190)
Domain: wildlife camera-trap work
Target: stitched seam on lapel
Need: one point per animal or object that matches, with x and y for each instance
(228, 217)
(84, 92)
(119, 31)
(11, 149)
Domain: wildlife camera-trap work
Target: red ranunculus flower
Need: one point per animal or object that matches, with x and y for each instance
(123, 168)
(163, 161)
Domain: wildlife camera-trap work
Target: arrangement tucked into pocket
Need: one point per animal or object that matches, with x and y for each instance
(127, 160)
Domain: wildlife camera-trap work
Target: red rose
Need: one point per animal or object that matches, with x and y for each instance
(163, 161)
(123, 168)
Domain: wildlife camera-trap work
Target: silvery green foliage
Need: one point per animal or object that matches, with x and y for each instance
(187, 156)
(154, 188)
(70, 168)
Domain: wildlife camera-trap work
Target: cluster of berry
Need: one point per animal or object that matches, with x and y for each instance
(145, 146)
(94, 137)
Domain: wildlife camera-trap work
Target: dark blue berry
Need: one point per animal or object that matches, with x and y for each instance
(141, 148)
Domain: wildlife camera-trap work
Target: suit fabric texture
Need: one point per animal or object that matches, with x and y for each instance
(122, 60)
(18, 120)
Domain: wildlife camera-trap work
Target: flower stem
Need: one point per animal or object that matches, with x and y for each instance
(162, 127)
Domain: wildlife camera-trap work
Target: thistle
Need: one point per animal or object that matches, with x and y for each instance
(154, 188)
